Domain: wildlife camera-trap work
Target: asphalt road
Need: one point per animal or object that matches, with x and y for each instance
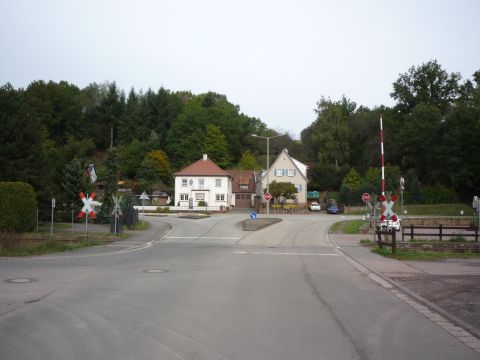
(205, 289)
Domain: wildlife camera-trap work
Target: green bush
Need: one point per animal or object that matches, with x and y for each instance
(202, 203)
(18, 207)
(439, 194)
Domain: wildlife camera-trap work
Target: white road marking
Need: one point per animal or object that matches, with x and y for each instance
(202, 237)
(282, 253)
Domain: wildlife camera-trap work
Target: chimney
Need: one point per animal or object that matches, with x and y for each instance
(205, 157)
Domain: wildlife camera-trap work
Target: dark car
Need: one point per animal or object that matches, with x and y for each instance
(333, 209)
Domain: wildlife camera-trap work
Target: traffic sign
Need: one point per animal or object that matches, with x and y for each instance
(144, 196)
(366, 197)
(253, 215)
(88, 205)
(267, 196)
(388, 205)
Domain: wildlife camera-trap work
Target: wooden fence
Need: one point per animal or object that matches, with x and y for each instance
(441, 231)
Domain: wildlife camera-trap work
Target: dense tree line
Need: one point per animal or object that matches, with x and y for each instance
(50, 131)
(431, 137)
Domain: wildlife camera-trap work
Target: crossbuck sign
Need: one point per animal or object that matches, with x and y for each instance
(388, 205)
(88, 205)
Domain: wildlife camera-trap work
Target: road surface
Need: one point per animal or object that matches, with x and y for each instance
(205, 289)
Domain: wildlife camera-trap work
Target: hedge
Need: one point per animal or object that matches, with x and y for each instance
(18, 206)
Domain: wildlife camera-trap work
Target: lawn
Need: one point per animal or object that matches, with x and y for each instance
(438, 209)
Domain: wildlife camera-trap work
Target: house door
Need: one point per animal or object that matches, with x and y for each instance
(243, 200)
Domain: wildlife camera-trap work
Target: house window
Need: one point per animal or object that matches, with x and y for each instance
(218, 182)
(201, 183)
(243, 187)
(200, 196)
(279, 172)
(183, 197)
(299, 187)
(291, 172)
(184, 182)
(220, 197)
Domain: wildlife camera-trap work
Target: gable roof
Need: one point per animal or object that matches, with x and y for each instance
(301, 167)
(242, 177)
(202, 167)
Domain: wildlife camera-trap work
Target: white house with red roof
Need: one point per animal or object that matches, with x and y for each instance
(203, 181)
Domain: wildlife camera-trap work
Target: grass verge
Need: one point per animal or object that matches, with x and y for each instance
(425, 255)
(29, 244)
(348, 226)
(142, 226)
(28, 247)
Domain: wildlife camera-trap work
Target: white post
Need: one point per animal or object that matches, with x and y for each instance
(143, 218)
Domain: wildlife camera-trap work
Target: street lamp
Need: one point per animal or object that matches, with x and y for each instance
(268, 162)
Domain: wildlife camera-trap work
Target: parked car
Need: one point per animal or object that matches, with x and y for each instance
(333, 209)
(390, 224)
(314, 206)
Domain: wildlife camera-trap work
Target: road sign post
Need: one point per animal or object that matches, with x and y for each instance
(88, 208)
(366, 199)
(143, 197)
(267, 197)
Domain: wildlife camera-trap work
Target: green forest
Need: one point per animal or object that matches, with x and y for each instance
(51, 131)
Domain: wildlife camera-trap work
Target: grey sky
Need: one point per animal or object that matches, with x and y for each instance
(274, 59)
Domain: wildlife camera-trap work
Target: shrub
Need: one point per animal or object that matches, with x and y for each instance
(202, 203)
(439, 194)
(18, 207)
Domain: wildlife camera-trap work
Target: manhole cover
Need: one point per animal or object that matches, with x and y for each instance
(155, 271)
(20, 281)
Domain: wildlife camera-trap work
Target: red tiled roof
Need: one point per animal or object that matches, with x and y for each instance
(202, 168)
(242, 177)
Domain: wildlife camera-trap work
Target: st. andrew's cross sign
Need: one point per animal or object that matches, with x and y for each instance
(388, 205)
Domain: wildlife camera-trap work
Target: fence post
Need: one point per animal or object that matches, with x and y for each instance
(476, 234)
(411, 231)
(379, 241)
(394, 242)
(440, 229)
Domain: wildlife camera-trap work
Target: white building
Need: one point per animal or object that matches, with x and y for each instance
(287, 169)
(203, 181)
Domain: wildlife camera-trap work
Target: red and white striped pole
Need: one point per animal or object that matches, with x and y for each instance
(382, 155)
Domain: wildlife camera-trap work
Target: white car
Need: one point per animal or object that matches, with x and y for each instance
(314, 206)
(390, 224)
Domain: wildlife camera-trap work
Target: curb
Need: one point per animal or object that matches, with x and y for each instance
(455, 320)
(254, 225)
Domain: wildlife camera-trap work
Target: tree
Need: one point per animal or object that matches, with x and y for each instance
(216, 146)
(248, 161)
(352, 180)
(74, 181)
(161, 165)
(110, 182)
(428, 84)
(148, 174)
(285, 189)
(420, 137)
(329, 134)
(130, 158)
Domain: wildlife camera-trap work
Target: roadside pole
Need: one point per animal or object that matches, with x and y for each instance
(51, 225)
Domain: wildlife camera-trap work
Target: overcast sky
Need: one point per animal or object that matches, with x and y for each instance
(274, 59)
